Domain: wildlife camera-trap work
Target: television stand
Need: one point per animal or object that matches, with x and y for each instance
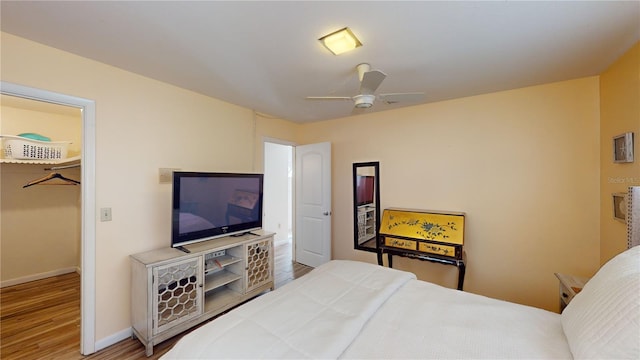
(173, 291)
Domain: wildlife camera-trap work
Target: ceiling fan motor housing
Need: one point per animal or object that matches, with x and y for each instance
(362, 68)
(364, 101)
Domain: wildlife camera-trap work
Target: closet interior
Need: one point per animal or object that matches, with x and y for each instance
(40, 226)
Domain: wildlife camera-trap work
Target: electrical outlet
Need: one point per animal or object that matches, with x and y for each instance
(166, 175)
(215, 254)
(105, 214)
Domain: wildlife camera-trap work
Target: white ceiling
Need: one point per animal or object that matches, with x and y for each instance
(264, 55)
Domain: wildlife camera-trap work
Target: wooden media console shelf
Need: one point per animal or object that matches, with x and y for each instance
(172, 291)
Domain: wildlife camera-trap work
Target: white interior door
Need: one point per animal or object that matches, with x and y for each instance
(313, 204)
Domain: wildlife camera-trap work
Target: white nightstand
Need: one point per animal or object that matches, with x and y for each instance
(570, 285)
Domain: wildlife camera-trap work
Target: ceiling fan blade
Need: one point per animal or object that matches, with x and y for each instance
(402, 97)
(328, 98)
(370, 81)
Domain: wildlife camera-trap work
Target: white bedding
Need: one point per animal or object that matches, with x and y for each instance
(317, 316)
(424, 320)
(354, 310)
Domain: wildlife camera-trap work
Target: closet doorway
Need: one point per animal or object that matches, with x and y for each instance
(85, 200)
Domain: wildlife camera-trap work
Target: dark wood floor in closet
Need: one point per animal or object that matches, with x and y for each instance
(41, 319)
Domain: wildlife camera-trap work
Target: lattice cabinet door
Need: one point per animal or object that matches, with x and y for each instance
(176, 293)
(259, 263)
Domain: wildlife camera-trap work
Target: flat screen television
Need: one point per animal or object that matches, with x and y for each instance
(208, 205)
(365, 186)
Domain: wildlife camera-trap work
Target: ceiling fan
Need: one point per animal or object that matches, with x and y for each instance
(370, 80)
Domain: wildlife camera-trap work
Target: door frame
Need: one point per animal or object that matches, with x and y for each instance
(88, 201)
(293, 145)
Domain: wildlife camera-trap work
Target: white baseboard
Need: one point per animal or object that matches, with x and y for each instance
(113, 339)
(44, 275)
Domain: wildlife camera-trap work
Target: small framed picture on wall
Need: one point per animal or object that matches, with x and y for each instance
(620, 206)
(623, 148)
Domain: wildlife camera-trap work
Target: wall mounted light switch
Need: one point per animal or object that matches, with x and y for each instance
(105, 214)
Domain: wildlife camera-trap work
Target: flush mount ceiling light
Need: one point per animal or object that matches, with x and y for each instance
(340, 41)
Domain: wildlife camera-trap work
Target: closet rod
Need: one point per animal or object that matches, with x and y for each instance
(62, 167)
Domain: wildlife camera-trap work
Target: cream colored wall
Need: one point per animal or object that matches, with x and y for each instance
(141, 126)
(272, 129)
(41, 224)
(523, 165)
(620, 113)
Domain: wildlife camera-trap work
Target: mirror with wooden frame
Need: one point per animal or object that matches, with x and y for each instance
(366, 205)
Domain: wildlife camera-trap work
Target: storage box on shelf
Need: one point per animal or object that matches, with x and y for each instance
(171, 290)
(18, 147)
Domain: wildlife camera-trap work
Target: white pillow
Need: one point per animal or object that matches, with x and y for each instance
(603, 320)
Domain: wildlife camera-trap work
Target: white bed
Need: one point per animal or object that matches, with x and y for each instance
(355, 310)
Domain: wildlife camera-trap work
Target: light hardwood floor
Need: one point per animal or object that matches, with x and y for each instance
(41, 319)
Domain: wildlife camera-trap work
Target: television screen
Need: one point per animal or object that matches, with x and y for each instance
(210, 205)
(365, 186)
